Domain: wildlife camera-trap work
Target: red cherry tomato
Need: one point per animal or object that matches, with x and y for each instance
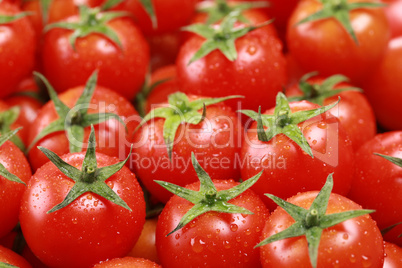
(393, 12)
(212, 239)
(380, 178)
(393, 256)
(127, 262)
(10, 257)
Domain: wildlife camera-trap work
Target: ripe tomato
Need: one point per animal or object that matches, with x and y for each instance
(164, 49)
(393, 256)
(17, 48)
(166, 11)
(325, 46)
(393, 12)
(127, 262)
(384, 87)
(259, 68)
(57, 10)
(10, 257)
(288, 168)
(160, 92)
(376, 176)
(353, 243)
(212, 239)
(111, 135)
(90, 229)
(10, 195)
(215, 141)
(354, 110)
(121, 69)
(145, 246)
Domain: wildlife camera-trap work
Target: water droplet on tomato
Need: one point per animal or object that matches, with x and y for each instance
(234, 227)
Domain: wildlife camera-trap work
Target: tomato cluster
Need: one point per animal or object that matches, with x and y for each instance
(200, 133)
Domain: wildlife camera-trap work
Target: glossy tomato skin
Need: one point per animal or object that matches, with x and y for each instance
(326, 47)
(128, 262)
(288, 169)
(145, 247)
(11, 192)
(170, 14)
(17, 48)
(393, 12)
(212, 239)
(379, 178)
(215, 142)
(384, 87)
(91, 228)
(353, 243)
(393, 256)
(10, 257)
(354, 111)
(259, 68)
(122, 70)
(111, 136)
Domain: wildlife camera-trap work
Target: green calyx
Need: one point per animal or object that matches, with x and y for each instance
(90, 178)
(311, 222)
(7, 118)
(221, 37)
(389, 228)
(395, 160)
(285, 122)
(4, 19)
(3, 171)
(6, 265)
(92, 20)
(208, 198)
(339, 10)
(317, 93)
(217, 10)
(180, 110)
(73, 121)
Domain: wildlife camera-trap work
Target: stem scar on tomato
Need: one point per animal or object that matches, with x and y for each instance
(208, 198)
(311, 222)
(222, 37)
(339, 10)
(74, 120)
(3, 171)
(284, 121)
(90, 178)
(180, 110)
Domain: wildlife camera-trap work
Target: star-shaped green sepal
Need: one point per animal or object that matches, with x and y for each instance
(311, 222)
(7, 118)
(208, 198)
(317, 93)
(221, 37)
(76, 119)
(339, 10)
(180, 110)
(90, 178)
(92, 20)
(285, 122)
(3, 171)
(217, 10)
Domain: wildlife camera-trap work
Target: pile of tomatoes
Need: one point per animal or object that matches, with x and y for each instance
(200, 133)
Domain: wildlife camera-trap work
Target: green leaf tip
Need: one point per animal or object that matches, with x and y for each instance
(90, 178)
(313, 221)
(73, 120)
(3, 171)
(208, 198)
(395, 160)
